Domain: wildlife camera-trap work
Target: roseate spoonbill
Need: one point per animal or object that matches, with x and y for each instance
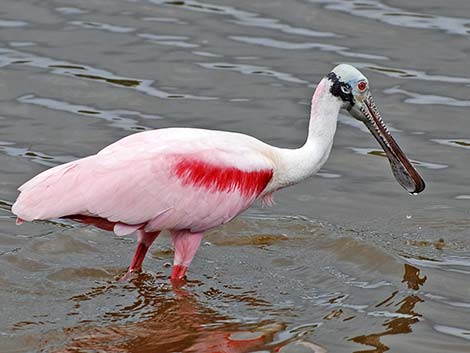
(187, 181)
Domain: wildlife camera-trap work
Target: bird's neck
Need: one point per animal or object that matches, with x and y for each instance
(298, 164)
(323, 115)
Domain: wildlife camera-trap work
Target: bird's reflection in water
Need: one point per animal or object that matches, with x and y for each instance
(406, 316)
(172, 319)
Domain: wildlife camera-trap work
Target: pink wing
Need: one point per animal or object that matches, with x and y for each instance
(162, 179)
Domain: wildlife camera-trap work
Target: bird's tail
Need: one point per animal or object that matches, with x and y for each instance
(51, 194)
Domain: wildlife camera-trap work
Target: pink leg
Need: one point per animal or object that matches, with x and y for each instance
(186, 245)
(145, 239)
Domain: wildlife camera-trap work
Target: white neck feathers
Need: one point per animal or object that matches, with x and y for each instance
(298, 164)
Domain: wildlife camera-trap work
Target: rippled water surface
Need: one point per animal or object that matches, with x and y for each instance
(345, 262)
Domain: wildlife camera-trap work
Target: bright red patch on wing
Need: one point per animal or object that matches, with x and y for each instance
(216, 178)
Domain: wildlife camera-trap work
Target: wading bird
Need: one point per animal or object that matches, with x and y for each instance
(188, 181)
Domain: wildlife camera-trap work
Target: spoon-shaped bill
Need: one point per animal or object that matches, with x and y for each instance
(404, 172)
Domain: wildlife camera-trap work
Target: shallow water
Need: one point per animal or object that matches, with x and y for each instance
(345, 262)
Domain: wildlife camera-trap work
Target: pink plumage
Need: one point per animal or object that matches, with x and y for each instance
(190, 180)
(182, 180)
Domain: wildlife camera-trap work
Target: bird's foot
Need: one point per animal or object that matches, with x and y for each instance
(178, 273)
(130, 275)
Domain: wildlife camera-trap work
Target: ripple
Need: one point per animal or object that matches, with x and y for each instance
(460, 143)
(114, 81)
(372, 9)
(244, 18)
(175, 318)
(274, 43)
(10, 57)
(349, 121)
(117, 118)
(171, 40)
(328, 175)
(70, 10)
(380, 153)
(164, 20)
(458, 264)
(75, 274)
(246, 240)
(353, 281)
(21, 44)
(207, 54)
(24, 263)
(63, 245)
(448, 301)
(252, 70)
(453, 331)
(389, 314)
(411, 74)
(12, 23)
(401, 323)
(102, 26)
(428, 99)
(38, 157)
(175, 41)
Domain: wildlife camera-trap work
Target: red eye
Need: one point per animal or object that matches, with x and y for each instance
(362, 86)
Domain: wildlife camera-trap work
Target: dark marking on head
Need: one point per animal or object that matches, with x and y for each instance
(340, 89)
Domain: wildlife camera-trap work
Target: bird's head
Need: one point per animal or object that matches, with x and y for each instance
(350, 86)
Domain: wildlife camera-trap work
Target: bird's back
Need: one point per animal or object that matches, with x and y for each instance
(162, 179)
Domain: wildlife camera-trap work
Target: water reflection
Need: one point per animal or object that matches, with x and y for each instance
(175, 319)
(406, 315)
(411, 277)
